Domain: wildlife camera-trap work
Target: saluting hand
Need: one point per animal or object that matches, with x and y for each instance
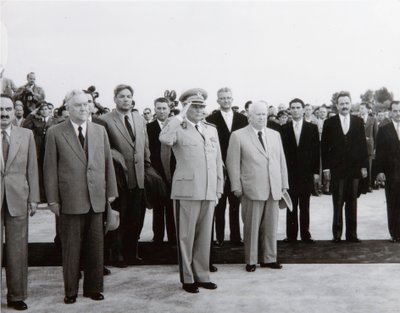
(185, 109)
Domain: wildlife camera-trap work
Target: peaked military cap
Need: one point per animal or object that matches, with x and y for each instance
(195, 96)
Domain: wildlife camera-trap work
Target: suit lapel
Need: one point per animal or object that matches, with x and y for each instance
(222, 121)
(256, 142)
(15, 142)
(392, 132)
(121, 127)
(72, 140)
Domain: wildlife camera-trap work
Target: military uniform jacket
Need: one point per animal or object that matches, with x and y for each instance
(198, 174)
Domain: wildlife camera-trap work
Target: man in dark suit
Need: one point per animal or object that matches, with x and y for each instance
(227, 121)
(344, 161)
(19, 193)
(388, 168)
(301, 145)
(128, 135)
(163, 216)
(79, 180)
(371, 131)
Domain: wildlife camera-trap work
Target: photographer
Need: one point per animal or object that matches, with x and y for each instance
(30, 94)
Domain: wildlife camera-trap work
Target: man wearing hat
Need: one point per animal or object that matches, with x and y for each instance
(196, 185)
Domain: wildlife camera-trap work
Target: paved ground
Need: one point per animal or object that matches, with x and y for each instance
(308, 288)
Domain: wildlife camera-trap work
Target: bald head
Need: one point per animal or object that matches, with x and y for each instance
(258, 114)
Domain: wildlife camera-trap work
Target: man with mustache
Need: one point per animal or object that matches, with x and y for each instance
(344, 162)
(19, 192)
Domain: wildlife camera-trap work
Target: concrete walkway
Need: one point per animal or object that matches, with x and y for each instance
(296, 288)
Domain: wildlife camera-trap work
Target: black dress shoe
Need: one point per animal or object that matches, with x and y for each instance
(250, 268)
(120, 264)
(237, 243)
(97, 296)
(213, 269)
(191, 288)
(336, 240)
(106, 271)
(219, 243)
(355, 240)
(290, 240)
(137, 261)
(273, 265)
(70, 299)
(17, 305)
(308, 240)
(208, 285)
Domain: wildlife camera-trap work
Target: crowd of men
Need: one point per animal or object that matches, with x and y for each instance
(79, 161)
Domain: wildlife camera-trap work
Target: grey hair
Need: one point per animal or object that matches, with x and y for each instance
(72, 94)
(224, 89)
(258, 104)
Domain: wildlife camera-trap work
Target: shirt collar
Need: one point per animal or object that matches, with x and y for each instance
(256, 131)
(83, 125)
(8, 131)
(160, 123)
(300, 122)
(193, 124)
(229, 113)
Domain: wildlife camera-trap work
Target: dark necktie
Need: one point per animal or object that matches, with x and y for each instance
(197, 128)
(81, 138)
(261, 140)
(5, 145)
(129, 128)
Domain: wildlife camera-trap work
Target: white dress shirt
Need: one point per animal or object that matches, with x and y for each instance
(345, 126)
(297, 126)
(228, 118)
(84, 127)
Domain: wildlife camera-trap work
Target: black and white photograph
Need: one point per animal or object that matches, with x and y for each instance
(200, 156)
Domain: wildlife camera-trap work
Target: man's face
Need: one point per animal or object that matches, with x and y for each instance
(51, 109)
(123, 100)
(258, 117)
(343, 105)
(78, 108)
(323, 113)
(196, 112)
(395, 112)
(19, 111)
(380, 116)
(6, 112)
(308, 111)
(363, 110)
(44, 111)
(297, 110)
(225, 100)
(147, 115)
(31, 79)
(162, 111)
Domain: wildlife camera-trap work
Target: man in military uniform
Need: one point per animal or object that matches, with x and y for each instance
(197, 184)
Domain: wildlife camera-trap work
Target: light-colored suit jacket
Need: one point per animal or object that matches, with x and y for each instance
(75, 180)
(18, 123)
(254, 171)
(19, 175)
(198, 174)
(135, 153)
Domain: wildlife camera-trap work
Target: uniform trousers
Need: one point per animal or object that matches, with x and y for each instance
(16, 254)
(193, 220)
(82, 242)
(260, 224)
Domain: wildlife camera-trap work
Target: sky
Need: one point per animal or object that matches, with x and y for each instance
(262, 50)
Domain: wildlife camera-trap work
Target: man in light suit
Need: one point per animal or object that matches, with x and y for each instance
(19, 192)
(344, 162)
(197, 183)
(300, 142)
(79, 180)
(257, 169)
(226, 122)
(128, 135)
(388, 168)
